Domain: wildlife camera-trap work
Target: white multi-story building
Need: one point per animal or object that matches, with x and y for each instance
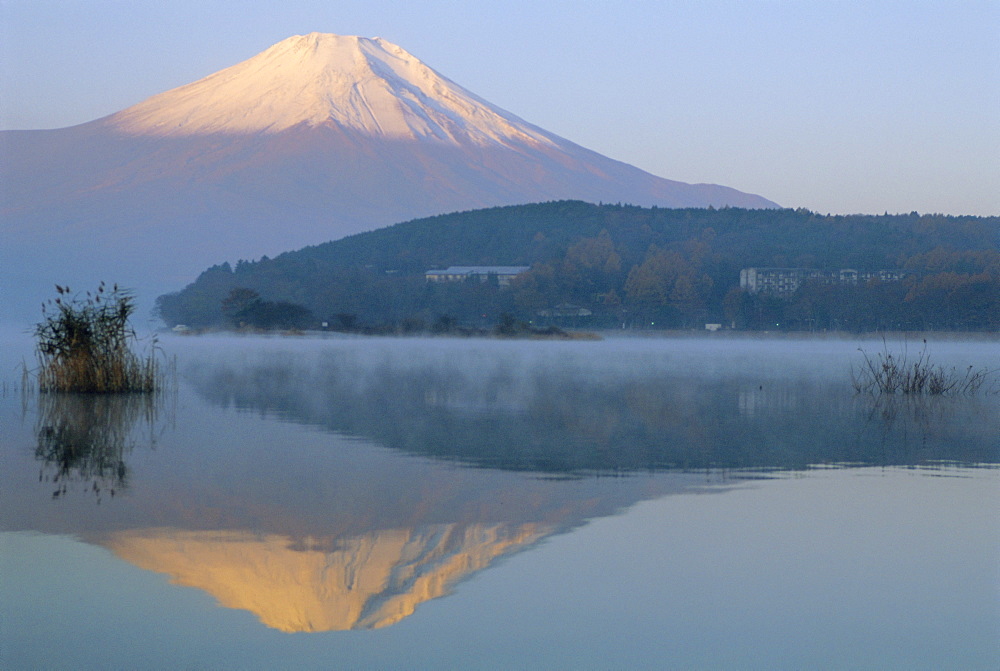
(785, 281)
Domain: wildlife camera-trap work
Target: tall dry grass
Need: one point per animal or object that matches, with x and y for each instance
(886, 372)
(85, 344)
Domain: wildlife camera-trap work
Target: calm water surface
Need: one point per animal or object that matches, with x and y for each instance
(379, 503)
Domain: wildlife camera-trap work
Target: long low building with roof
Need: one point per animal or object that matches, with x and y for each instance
(504, 274)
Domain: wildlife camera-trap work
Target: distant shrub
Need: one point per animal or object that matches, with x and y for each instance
(889, 373)
(84, 344)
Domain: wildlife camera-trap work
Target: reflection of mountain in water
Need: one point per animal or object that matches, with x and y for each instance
(318, 531)
(563, 419)
(320, 584)
(310, 531)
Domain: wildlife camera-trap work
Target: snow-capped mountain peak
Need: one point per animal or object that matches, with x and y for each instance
(359, 84)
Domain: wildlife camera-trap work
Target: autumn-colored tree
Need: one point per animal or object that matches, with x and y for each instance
(535, 289)
(665, 278)
(595, 254)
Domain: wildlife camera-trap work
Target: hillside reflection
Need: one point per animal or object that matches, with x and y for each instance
(564, 421)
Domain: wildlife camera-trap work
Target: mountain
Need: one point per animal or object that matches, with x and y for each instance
(315, 138)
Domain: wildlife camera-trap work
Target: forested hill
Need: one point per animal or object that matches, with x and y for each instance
(625, 264)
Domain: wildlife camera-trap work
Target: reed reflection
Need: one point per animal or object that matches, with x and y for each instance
(922, 423)
(84, 439)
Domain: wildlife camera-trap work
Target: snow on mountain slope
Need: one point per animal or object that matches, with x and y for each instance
(361, 84)
(318, 137)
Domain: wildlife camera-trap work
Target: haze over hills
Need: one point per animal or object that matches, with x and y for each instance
(315, 138)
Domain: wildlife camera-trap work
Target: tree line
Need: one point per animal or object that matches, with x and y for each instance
(617, 265)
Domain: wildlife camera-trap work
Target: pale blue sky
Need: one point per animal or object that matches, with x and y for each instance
(840, 107)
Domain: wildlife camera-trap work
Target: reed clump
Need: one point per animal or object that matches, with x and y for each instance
(85, 344)
(888, 373)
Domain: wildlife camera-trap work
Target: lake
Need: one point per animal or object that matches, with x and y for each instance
(644, 502)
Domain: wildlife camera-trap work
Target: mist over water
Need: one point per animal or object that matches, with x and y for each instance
(503, 503)
(618, 405)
